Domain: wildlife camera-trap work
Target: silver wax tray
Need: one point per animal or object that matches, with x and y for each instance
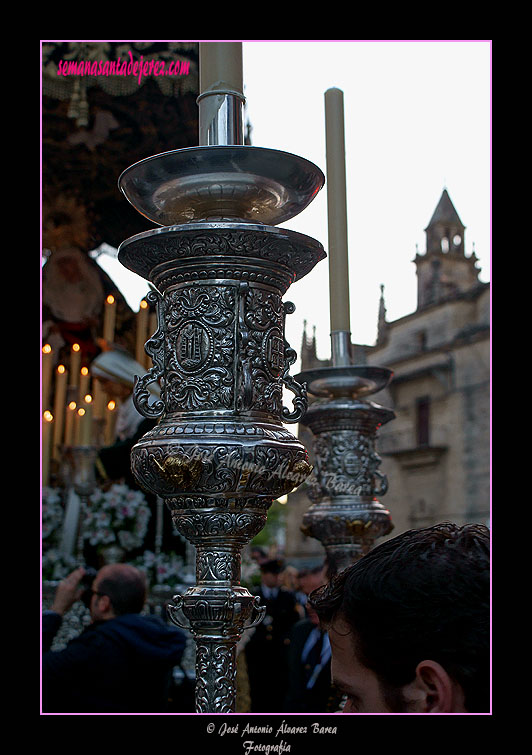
(253, 184)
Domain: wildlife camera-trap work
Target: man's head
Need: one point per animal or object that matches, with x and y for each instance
(270, 571)
(310, 580)
(117, 589)
(409, 623)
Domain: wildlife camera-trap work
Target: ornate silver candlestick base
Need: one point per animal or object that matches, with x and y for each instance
(346, 516)
(220, 455)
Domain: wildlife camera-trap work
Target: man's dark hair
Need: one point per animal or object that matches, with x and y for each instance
(306, 572)
(126, 588)
(273, 566)
(424, 594)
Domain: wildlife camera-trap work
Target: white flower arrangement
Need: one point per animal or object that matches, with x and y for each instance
(51, 515)
(117, 515)
(56, 565)
(161, 568)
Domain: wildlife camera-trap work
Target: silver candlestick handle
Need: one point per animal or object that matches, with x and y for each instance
(155, 349)
(175, 611)
(258, 613)
(300, 401)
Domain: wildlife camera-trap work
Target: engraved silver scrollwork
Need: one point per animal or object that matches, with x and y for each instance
(300, 402)
(155, 349)
(346, 515)
(244, 389)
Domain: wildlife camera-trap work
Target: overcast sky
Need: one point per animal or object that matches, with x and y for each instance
(417, 119)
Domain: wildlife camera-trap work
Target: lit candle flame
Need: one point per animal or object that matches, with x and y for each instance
(48, 416)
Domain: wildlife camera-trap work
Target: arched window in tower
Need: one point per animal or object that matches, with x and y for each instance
(457, 239)
(445, 244)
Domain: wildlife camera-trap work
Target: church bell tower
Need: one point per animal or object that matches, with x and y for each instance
(444, 270)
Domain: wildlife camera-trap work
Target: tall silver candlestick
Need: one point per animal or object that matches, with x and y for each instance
(346, 515)
(220, 454)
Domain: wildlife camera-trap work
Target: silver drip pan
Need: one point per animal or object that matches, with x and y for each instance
(252, 184)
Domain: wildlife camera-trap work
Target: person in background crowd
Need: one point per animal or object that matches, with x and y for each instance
(409, 623)
(122, 662)
(266, 650)
(258, 554)
(309, 657)
(289, 579)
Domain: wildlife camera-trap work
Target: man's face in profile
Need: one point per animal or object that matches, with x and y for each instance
(360, 684)
(431, 690)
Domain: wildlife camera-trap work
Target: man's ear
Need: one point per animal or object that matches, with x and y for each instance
(105, 604)
(433, 690)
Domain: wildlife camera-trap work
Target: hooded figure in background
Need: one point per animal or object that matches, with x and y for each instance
(115, 370)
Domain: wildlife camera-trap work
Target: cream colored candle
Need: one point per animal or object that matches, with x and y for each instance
(78, 420)
(69, 423)
(110, 415)
(142, 331)
(221, 66)
(75, 363)
(99, 399)
(84, 382)
(337, 211)
(86, 422)
(46, 371)
(47, 423)
(61, 381)
(109, 319)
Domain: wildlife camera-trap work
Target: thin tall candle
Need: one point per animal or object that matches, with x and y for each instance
(142, 331)
(86, 422)
(221, 66)
(99, 399)
(109, 319)
(47, 421)
(110, 422)
(46, 369)
(61, 381)
(337, 211)
(84, 382)
(75, 362)
(69, 423)
(80, 413)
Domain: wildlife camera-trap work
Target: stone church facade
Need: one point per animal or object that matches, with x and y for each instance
(436, 452)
